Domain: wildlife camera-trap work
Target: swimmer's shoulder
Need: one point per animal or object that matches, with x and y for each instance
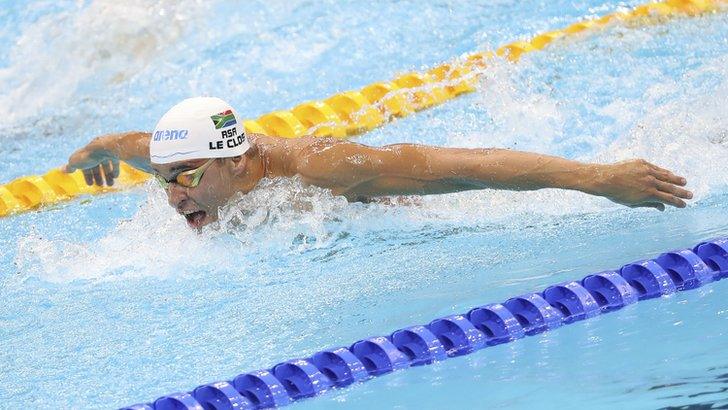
(290, 153)
(300, 142)
(296, 147)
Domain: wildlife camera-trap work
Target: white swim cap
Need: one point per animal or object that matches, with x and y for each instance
(201, 127)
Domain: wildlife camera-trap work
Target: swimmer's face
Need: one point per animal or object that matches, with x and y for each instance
(199, 205)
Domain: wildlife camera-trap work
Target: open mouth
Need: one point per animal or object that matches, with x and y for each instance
(195, 219)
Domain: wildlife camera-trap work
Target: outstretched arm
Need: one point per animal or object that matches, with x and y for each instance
(358, 171)
(99, 159)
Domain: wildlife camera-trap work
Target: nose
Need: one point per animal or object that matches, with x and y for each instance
(176, 194)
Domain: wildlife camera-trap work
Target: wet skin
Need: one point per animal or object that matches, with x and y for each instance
(360, 172)
(221, 180)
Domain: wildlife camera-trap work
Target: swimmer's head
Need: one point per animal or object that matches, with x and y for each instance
(197, 151)
(201, 127)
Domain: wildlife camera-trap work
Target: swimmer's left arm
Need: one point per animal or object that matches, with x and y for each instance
(99, 159)
(357, 171)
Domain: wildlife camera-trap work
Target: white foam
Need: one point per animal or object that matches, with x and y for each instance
(92, 45)
(283, 54)
(166, 247)
(281, 212)
(519, 114)
(687, 134)
(678, 124)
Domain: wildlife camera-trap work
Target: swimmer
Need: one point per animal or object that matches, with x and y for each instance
(202, 157)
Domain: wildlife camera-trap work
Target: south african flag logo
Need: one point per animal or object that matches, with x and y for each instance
(223, 119)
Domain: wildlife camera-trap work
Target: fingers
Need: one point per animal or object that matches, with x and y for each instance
(670, 199)
(76, 161)
(98, 179)
(116, 169)
(674, 190)
(658, 199)
(97, 174)
(669, 189)
(70, 167)
(88, 176)
(108, 172)
(664, 175)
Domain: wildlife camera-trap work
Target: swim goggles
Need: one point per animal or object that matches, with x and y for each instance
(188, 179)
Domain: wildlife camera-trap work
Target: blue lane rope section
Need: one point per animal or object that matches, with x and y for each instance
(457, 335)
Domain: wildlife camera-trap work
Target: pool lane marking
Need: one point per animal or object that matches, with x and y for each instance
(456, 335)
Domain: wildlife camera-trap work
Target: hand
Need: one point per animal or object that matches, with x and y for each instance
(637, 183)
(99, 165)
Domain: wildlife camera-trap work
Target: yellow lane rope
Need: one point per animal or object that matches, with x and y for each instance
(354, 112)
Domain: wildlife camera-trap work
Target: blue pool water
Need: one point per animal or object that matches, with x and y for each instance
(111, 300)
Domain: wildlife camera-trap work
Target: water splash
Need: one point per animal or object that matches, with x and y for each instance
(92, 45)
(635, 101)
(166, 248)
(521, 111)
(676, 122)
(282, 212)
(684, 129)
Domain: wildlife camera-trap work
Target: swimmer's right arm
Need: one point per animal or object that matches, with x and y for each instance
(99, 159)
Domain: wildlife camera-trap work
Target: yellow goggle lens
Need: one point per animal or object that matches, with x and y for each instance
(187, 179)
